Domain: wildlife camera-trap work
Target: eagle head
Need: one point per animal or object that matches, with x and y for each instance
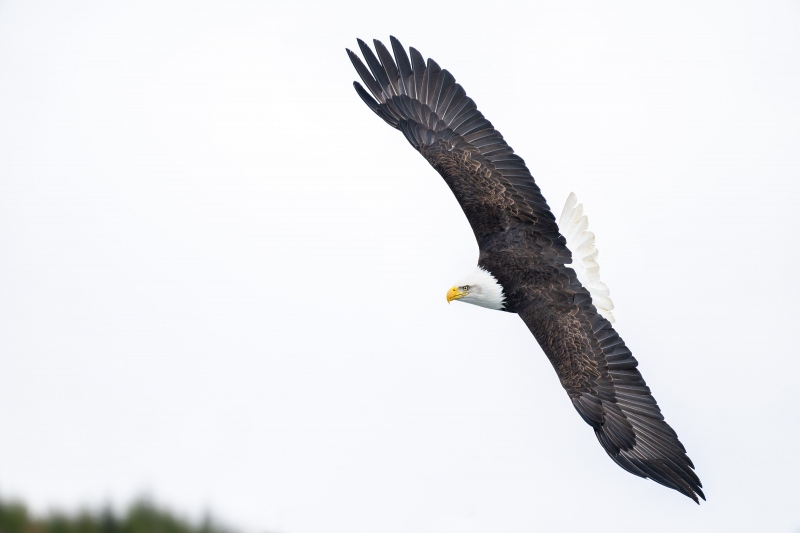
(479, 288)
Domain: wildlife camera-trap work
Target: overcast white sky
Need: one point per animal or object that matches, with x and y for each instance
(222, 278)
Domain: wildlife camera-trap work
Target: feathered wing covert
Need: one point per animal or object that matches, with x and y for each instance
(520, 244)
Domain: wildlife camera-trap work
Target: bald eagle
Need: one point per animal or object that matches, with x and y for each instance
(524, 265)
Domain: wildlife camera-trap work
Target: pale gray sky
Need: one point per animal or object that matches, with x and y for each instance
(223, 278)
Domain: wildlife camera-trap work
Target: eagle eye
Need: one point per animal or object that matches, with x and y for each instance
(465, 288)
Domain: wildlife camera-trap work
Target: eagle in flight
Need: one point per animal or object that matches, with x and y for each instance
(525, 266)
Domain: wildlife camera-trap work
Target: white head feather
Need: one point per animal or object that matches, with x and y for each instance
(482, 289)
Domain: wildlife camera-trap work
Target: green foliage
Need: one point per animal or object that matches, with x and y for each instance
(141, 517)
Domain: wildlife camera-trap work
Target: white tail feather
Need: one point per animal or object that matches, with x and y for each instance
(574, 226)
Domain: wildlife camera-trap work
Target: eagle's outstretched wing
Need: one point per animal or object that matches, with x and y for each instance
(599, 374)
(492, 184)
(521, 245)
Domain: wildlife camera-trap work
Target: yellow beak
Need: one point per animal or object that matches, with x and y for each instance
(454, 294)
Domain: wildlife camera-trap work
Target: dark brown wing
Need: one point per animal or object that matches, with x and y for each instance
(492, 184)
(599, 374)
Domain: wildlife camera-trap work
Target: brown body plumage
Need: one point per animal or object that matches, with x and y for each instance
(521, 246)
